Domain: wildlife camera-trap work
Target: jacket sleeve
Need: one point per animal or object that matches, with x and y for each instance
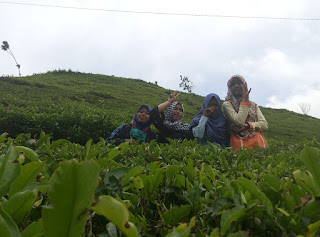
(199, 130)
(262, 124)
(157, 118)
(232, 116)
(240, 118)
(122, 134)
(150, 135)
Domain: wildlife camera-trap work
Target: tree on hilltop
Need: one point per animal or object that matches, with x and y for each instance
(5, 47)
(186, 84)
(305, 108)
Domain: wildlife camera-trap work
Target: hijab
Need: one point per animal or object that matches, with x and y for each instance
(175, 125)
(216, 126)
(252, 114)
(141, 126)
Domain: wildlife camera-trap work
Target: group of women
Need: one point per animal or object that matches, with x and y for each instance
(237, 123)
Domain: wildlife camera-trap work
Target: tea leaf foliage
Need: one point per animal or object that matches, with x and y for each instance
(185, 190)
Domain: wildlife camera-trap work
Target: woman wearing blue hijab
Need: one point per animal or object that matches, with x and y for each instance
(210, 124)
(138, 129)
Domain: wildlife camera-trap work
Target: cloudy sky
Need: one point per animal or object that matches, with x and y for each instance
(274, 44)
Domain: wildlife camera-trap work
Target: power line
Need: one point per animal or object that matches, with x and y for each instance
(165, 13)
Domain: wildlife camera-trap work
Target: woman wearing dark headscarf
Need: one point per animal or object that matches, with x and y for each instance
(170, 124)
(210, 125)
(138, 129)
(244, 116)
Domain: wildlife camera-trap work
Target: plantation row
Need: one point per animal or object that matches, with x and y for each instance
(59, 188)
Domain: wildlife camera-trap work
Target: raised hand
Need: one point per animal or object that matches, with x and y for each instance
(208, 112)
(173, 97)
(245, 95)
(130, 141)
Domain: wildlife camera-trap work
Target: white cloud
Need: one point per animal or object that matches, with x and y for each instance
(310, 96)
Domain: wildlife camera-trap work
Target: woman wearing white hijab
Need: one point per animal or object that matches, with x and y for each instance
(170, 125)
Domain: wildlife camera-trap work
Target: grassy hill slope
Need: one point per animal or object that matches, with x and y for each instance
(78, 106)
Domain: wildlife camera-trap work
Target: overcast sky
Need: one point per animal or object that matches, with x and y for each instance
(279, 58)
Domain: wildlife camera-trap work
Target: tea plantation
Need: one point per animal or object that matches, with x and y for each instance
(79, 106)
(58, 177)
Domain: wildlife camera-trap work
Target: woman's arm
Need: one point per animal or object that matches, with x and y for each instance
(231, 115)
(262, 124)
(199, 130)
(123, 135)
(172, 97)
(150, 136)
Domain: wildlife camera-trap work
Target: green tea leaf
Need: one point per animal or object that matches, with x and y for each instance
(306, 181)
(29, 153)
(116, 212)
(171, 171)
(289, 202)
(87, 149)
(20, 204)
(176, 214)
(29, 173)
(229, 216)
(296, 192)
(12, 154)
(132, 173)
(311, 159)
(113, 153)
(215, 233)
(56, 144)
(210, 172)
(117, 173)
(253, 189)
(7, 226)
(155, 180)
(272, 181)
(154, 166)
(283, 211)
(35, 229)
(313, 229)
(138, 182)
(43, 140)
(9, 170)
(190, 170)
(223, 161)
(217, 204)
(3, 137)
(71, 197)
(114, 186)
(311, 209)
(240, 233)
(183, 230)
(181, 181)
(206, 182)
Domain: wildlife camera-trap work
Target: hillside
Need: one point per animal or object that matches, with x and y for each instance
(78, 106)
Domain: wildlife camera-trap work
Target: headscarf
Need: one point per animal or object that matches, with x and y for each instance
(216, 126)
(141, 126)
(175, 125)
(252, 114)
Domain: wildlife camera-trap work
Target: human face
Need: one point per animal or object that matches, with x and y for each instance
(177, 113)
(237, 87)
(213, 106)
(143, 115)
